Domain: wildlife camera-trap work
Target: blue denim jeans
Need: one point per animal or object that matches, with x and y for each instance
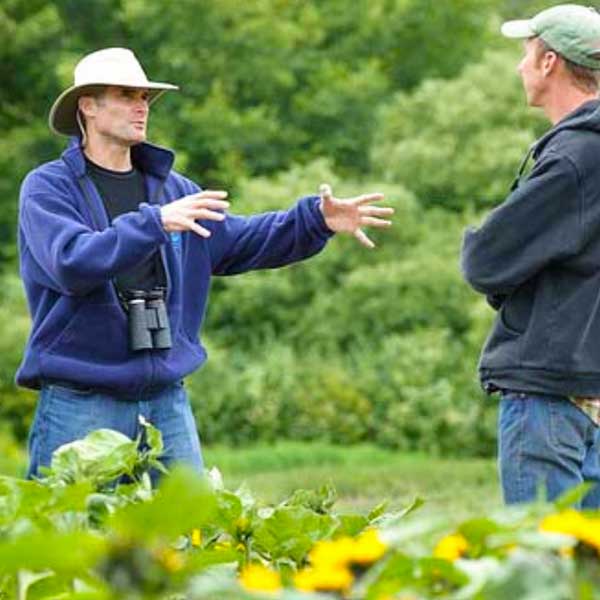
(547, 445)
(64, 414)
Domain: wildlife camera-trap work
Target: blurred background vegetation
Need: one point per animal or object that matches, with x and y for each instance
(416, 98)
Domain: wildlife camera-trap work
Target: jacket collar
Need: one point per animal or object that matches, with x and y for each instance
(147, 157)
(586, 116)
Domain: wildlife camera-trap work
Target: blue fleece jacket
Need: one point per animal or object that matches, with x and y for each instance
(70, 253)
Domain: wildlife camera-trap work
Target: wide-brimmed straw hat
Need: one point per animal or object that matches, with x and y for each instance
(111, 66)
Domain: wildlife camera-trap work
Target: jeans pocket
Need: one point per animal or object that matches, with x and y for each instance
(568, 425)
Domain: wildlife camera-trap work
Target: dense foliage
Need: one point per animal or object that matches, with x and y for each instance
(78, 534)
(419, 99)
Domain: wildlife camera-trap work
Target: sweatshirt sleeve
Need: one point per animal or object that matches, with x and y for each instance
(75, 257)
(539, 223)
(268, 240)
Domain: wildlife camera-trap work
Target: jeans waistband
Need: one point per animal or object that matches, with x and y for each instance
(82, 387)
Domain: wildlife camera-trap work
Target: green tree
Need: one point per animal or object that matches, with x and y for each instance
(459, 142)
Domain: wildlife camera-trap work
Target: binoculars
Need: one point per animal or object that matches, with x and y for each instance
(147, 320)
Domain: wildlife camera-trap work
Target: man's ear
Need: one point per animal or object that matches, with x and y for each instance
(87, 105)
(549, 63)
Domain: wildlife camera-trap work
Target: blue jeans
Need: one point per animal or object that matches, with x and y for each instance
(64, 414)
(546, 444)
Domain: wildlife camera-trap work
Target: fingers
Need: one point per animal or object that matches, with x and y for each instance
(366, 199)
(325, 191)
(376, 211)
(204, 214)
(375, 222)
(195, 202)
(215, 194)
(212, 199)
(191, 225)
(362, 237)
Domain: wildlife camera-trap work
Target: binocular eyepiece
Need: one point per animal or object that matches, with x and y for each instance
(147, 320)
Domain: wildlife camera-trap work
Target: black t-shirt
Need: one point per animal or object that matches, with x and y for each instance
(122, 192)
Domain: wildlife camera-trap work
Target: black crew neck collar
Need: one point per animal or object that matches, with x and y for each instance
(104, 171)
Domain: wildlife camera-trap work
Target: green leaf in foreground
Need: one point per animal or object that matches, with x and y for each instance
(183, 501)
(291, 532)
(101, 457)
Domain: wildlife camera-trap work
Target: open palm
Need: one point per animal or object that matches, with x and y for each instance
(349, 215)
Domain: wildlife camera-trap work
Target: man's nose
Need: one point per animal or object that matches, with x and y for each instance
(141, 105)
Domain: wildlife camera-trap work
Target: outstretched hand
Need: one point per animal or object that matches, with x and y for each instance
(182, 214)
(349, 215)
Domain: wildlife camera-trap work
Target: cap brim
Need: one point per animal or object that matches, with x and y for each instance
(518, 29)
(62, 118)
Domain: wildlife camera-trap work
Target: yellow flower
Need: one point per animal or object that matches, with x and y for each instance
(364, 550)
(326, 578)
(368, 548)
(196, 538)
(573, 523)
(258, 578)
(451, 547)
(331, 553)
(170, 559)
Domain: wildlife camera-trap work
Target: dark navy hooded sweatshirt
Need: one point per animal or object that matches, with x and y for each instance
(70, 255)
(537, 258)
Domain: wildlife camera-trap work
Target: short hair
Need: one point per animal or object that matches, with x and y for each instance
(95, 92)
(586, 79)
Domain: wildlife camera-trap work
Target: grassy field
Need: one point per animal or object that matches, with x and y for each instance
(362, 475)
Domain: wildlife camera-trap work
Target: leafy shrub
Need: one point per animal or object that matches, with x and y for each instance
(458, 143)
(16, 404)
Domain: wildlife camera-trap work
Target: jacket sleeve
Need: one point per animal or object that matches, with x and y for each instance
(539, 223)
(268, 240)
(73, 256)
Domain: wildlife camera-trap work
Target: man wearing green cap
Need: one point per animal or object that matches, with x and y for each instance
(537, 259)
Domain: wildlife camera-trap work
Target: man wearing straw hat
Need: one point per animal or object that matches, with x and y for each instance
(116, 255)
(537, 259)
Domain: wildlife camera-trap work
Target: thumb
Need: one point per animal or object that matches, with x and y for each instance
(325, 192)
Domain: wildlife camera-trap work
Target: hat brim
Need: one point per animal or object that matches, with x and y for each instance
(518, 29)
(63, 114)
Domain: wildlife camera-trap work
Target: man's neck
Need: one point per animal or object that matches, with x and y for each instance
(564, 101)
(111, 156)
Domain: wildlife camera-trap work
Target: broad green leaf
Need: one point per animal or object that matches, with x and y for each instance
(350, 525)
(183, 502)
(69, 553)
(320, 500)
(229, 510)
(291, 532)
(402, 571)
(203, 559)
(100, 457)
(393, 519)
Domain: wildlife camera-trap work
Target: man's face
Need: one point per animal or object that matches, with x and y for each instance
(120, 115)
(532, 73)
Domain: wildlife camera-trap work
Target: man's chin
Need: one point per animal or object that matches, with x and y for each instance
(137, 138)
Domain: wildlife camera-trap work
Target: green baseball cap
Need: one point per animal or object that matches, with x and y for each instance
(570, 29)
